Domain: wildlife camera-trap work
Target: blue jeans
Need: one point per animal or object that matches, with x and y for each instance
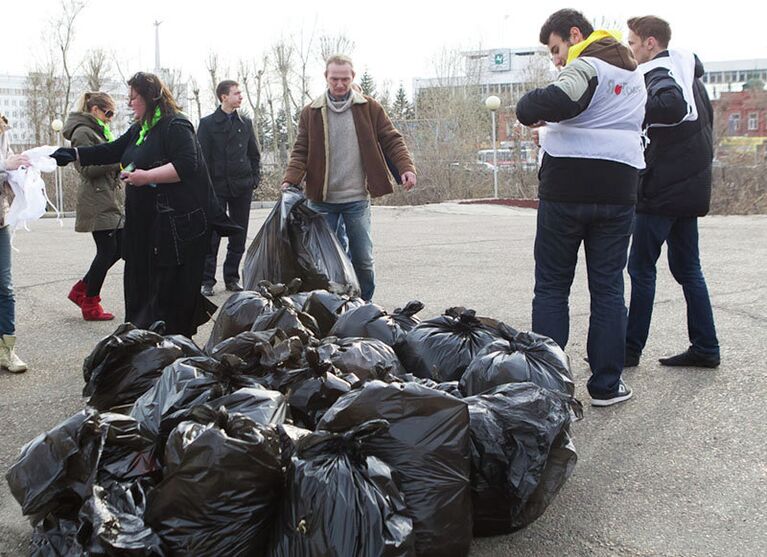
(605, 231)
(7, 301)
(356, 218)
(681, 235)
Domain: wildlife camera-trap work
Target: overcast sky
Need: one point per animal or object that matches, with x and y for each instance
(395, 40)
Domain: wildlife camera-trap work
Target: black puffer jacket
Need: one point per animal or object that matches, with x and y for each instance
(677, 180)
(230, 150)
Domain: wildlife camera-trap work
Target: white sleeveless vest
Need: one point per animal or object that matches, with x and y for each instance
(681, 67)
(611, 126)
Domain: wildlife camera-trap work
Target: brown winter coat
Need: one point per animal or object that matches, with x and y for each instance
(376, 136)
(100, 195)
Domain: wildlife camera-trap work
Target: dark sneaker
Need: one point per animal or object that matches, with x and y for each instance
(623, 393)
(689, 358)
(233, 286)
(207, 290)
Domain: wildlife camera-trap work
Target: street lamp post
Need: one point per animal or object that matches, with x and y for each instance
(493, 103)
(57, 125)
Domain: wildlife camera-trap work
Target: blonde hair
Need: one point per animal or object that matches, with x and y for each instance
(96, 98)
(340, 60)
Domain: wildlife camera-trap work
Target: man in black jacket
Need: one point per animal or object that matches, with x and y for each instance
(591, 122)
(230, 150)
(674, 190)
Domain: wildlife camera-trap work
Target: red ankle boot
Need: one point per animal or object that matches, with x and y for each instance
(92, 310)
(78, 293)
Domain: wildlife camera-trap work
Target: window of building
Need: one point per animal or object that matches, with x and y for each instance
(733, 124)
(753, 121)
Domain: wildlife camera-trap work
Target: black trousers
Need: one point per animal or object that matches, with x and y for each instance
(238, 209)
(108, 252)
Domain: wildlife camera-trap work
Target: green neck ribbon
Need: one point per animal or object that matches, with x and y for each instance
(146, 126)
(108, 135)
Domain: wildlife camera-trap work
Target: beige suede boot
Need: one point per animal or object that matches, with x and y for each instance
(8, 358)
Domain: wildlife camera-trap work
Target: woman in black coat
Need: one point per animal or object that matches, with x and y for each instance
(169, 208)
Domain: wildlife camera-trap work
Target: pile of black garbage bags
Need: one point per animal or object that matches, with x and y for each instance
(311, 424)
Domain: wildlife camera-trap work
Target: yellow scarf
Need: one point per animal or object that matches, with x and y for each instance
(577, 49)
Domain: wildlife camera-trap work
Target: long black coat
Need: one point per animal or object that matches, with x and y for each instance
(677, 180)
(231, 153)
(167, 226)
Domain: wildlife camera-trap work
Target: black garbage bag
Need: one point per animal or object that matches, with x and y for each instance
(237, 315)
(129, 452)
(294, 322)
(427, 445)
(259, 350)
(521, 455)
(126, 364)
(341, 501)
(406, 316)
(289, 436)
(113, 522)
(449, 387)
(55, 537)
(519, 357)
(310, 390)
(222, 481)
(366, 358)
(372, 321)
(55, 471)
(326, 307)
(187, 383)
(443, 347)
(296, 242)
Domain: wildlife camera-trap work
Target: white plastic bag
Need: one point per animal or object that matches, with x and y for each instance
(30, 199)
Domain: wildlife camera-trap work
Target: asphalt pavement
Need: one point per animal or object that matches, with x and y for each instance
(679, 470)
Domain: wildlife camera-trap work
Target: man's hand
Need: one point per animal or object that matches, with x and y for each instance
(15, 161)
(64, 155)
(136, 178)
(408, 180)
(285, 186)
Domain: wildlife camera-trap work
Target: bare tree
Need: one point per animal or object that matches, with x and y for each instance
(195, 88)
(97, 68)
(212, 64)
(45, 99)
(246, 70)
(304, 49)
(283, 63)
(64, 32)
(335, 44)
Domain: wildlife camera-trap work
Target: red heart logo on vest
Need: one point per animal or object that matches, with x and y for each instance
(618, 89)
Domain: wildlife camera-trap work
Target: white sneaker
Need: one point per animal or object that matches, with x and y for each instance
(8, 358)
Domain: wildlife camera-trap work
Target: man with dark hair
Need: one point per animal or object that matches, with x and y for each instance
(343, 143)
(590, 122)
(674, 191)
(231, 152)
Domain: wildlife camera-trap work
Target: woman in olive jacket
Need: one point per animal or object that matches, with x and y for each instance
(100, 201)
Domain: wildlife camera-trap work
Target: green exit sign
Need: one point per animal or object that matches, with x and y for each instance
(499, 58)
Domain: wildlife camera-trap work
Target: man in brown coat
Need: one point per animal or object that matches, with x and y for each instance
(343, 141)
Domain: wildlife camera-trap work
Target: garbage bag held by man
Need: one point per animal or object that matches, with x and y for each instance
(296, 242)
(521, 455)
(427, 445)
(342, 502)
(223, 478)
